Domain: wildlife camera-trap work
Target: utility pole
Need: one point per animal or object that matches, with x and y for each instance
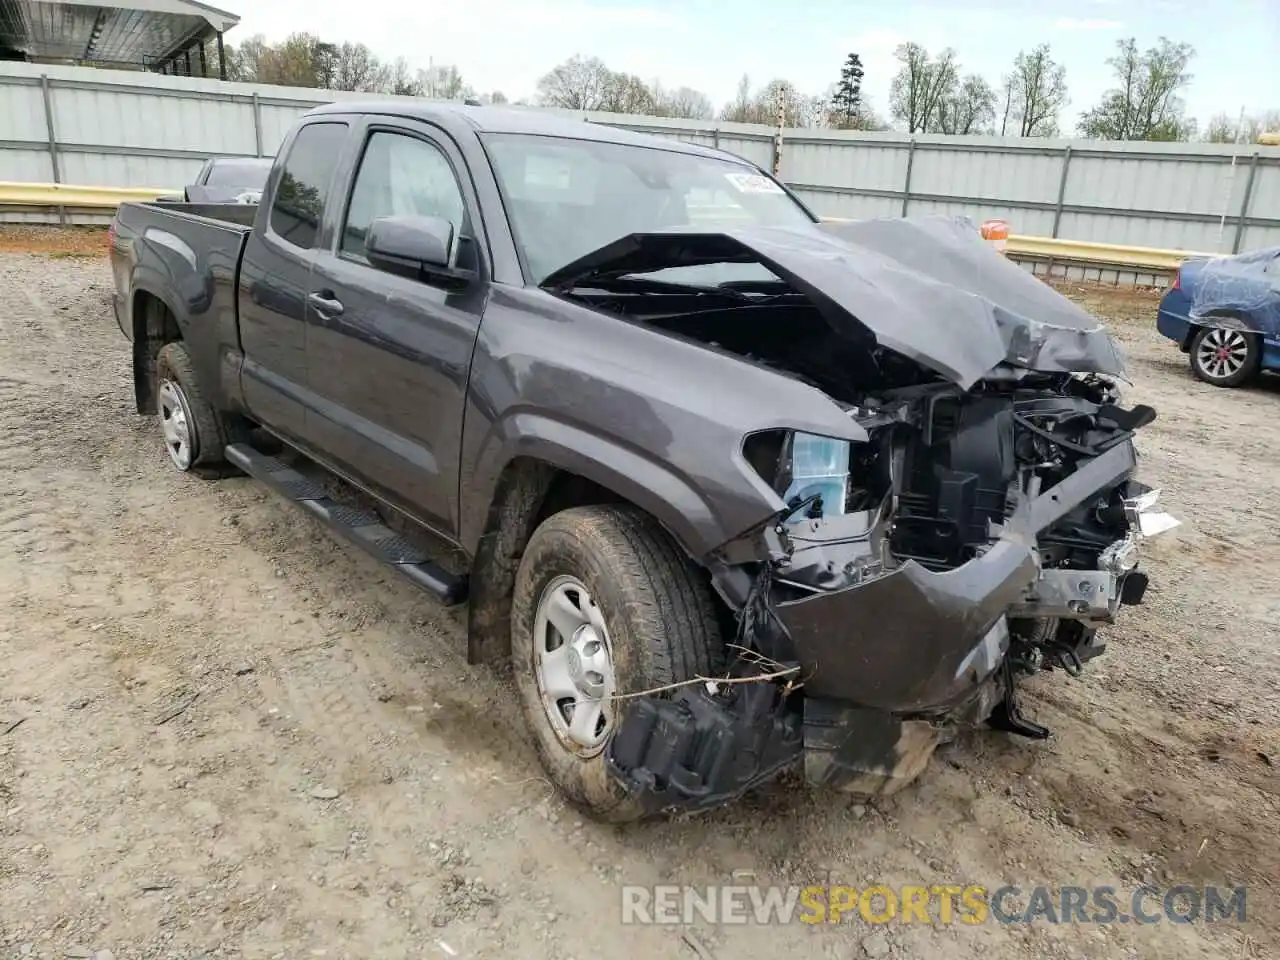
(777, 133)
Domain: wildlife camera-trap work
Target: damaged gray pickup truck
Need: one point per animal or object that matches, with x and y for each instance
(731, 490)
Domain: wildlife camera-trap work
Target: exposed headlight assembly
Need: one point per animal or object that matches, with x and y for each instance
(809, 472)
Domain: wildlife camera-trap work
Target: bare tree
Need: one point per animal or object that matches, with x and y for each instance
(740, 109)
(1034, 93)
(967, 107)
(244, 62)
(1249, 129)
(399, 80)
(761, 106)
(908, 90)
(920, 85)
(294, 62)
(626, 93)
(442, 82)
(681, 102)
(356, 68)
(576, 84)
(1145, 104)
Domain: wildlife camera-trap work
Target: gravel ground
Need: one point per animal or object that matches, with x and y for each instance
(240, 738)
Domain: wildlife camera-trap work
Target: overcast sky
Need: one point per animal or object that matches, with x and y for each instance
(708, 44)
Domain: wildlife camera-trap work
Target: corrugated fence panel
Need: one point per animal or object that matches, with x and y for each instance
(878, 165)
(25, 165)
(1025, 175)
(110, 117)
(276, 121)
(22, 112)
(753, 150)
(850, 206)
(122, 170)
(121, 128)
(1264, 201)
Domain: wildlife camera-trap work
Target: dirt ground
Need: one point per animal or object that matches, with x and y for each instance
(237, 737)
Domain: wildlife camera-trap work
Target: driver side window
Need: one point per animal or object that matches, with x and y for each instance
(400, 175)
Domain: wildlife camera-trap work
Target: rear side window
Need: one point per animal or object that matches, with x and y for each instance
(304, 183)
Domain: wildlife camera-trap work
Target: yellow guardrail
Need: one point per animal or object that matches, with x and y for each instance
(1020, 246)
(1039, 248)
(1109, 254)
(69, 195)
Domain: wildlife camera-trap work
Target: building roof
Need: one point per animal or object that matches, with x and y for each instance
(141, 32)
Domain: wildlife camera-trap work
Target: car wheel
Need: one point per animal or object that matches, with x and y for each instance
(605, 604)
(1225, 358)
(191, 429)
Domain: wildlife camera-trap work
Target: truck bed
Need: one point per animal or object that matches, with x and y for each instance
(187, 257)
(235, 214)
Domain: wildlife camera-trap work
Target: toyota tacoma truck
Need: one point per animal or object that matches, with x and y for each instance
(730, 489)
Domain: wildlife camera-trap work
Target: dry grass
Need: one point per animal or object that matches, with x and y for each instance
(53, 241)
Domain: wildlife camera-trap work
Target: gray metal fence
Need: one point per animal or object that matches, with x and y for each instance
(116, 128)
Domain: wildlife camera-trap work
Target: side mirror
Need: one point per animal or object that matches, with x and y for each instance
(410, 243)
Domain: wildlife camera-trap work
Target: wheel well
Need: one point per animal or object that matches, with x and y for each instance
(1227, 319)
(154, 325)
(528, 492)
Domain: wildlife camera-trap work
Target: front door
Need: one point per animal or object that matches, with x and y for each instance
(274, 280)
(388, 355)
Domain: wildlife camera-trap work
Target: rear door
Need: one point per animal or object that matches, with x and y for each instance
(275, 276)
(388, 355)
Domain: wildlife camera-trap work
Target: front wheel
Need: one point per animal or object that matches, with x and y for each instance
(1225, 358)
(605, 604)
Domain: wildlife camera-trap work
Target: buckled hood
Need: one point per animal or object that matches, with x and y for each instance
(928, 288)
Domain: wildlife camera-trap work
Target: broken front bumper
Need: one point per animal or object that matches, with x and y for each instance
(885, 666)
(911, 640)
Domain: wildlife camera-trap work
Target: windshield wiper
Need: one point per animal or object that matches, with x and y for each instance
(647, 285)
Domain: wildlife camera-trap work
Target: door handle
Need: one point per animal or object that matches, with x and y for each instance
(329, 306)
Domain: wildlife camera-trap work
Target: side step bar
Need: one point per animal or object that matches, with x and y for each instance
(362, 527)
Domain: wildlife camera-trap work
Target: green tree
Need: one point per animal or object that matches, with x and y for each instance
(920, 85)
(1034, 93)
(967, 107)
(1145, 104)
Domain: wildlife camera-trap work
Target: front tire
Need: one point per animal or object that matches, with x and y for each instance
(1225, 358)
(605, 603)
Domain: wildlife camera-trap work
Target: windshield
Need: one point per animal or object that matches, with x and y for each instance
(250, 174)
(567, 197)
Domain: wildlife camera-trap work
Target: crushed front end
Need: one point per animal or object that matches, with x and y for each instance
(978, 536)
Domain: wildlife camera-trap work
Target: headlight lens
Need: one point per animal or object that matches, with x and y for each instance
(818, 466)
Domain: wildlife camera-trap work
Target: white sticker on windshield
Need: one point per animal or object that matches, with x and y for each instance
(752, 183)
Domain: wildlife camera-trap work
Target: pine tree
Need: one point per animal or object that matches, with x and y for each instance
(846, 104)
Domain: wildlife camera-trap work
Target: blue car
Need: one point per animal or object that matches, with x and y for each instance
(1224, 313)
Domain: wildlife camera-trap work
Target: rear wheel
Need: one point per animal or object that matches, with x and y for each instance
(1225, 358)
(605, 603)
(192, 431)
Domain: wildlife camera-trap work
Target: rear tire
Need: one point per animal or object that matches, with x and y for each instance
(1224, 357)
(194, 435)
(638, 615)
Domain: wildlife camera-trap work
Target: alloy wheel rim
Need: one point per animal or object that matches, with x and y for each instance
(1222, 353)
